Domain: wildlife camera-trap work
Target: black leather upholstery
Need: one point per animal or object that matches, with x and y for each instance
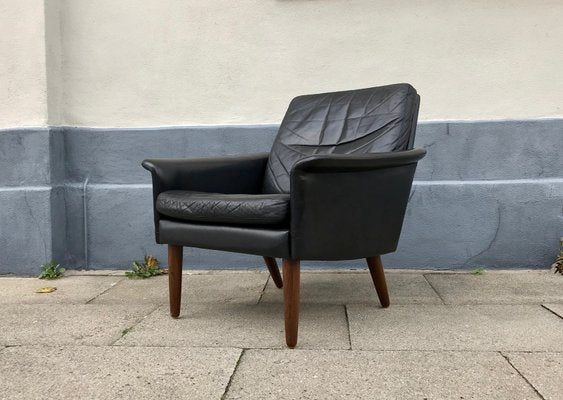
(233, 174)
(240, 239)
(343, 158)
(350, 206)
(239, 209)
(378, 119)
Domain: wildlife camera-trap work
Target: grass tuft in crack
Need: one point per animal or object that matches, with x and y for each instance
(51, 271)
(557, 266)
(150, 266)
(477, 271)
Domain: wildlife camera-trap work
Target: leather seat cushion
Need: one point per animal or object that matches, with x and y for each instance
(259, 240)
(236, 209)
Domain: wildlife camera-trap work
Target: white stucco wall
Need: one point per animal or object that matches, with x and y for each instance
(54, 60)
(23, 94)
(180, 62)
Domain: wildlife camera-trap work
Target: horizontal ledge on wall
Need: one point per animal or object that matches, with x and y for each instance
(264, 125)
(496, 120)
(162, 127)
(25, 188)
(489, 182)
(415, 183)
(120, 186)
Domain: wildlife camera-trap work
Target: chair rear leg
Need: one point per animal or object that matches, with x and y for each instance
(378, 277)
(175, 255)
(291, 277)
(274, 271)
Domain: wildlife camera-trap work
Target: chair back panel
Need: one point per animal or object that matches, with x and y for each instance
(378, 119)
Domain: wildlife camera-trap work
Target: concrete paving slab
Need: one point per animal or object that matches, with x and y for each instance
(215, 288)
(298, 374)
(111, 373)
(555, 308)
(70, 289)
(65, 324)
(499, 287)
(339, 288)
(468, 327)
(543, 370)
(243, 326)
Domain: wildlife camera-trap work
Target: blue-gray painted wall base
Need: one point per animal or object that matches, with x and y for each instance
(488, 194)
(25, 228)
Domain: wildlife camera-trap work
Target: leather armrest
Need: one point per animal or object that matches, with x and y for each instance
(231, 174)
(357, 162)
(350, 206)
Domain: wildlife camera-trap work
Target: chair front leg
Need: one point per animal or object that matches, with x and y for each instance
(274, 271)
(291, 278)
(378, 276)
(175, 255)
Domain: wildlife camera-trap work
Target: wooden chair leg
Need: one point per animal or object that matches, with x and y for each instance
(378, 277)
(175, 255)
(274, 271)
(291, 275)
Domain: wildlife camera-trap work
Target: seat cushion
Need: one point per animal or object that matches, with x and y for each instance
(259, 240)
(235, 209)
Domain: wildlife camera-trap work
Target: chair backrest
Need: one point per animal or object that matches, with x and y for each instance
(372, 120)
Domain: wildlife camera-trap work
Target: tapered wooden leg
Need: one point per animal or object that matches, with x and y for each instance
(291, 272)
(274, 271)
(175, 278)
(378, 277)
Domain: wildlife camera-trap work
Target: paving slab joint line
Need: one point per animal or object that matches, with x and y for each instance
(434, 289)
(522, 376)
(224, 396)
(130, 328)
(105, 291)
(551, 311)
(348, 326)
(263, 290)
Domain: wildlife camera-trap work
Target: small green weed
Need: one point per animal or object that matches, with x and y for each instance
(558, 264)
(145, 269)
(478, 271)
(51, 271)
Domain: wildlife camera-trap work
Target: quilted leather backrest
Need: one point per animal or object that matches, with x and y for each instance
(372, 120)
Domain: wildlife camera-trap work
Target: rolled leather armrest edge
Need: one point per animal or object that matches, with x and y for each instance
(151, 164)
(358, 162)
(230, 174)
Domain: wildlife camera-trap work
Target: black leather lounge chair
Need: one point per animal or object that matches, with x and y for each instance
(335, 186)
